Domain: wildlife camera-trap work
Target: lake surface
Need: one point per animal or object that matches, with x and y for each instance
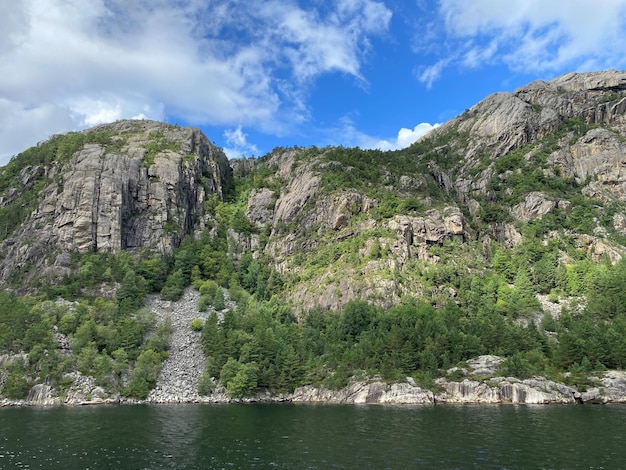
(314, 437)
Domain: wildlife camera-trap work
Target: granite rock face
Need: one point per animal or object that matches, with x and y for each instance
(504, 390)
(611, 389)
(146, 188)
(507, 121)
(359, 393)
(585, 115)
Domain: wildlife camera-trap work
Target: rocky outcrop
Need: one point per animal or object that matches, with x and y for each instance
(84, 391)
(42, 395)
(611, 389)
(303, 184)
(489, 389)
(498, 390)
(261, 206)
(434, 227)
(534, 206)
(146, 188)
(358, 393)
(598, 248)
(504, 390)
(330, 293)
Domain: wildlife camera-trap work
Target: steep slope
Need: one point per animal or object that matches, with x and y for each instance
(574, 123)
(349, 224)
(122, 186)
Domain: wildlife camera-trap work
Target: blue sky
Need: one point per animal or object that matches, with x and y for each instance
(259, 74)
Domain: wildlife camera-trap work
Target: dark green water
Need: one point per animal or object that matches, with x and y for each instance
(311, 436)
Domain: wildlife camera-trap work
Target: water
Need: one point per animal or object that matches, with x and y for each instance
(314, 437)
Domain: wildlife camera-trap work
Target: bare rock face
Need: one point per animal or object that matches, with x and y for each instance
(366, 393)
(535, 206)
(84, 391)
(507, 121)
(597, 248)
(42, 395)
(505, 390)
(261, 206)
(144, 189)
(612, 389)
(302, 185)
(495, 390)
(435, 227)
(329, 292)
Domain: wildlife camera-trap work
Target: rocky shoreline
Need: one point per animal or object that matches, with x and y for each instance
(609, 388)
(493, 391)
(178, 380)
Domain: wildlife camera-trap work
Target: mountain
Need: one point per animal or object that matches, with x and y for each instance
(122, 186)
(500, 232)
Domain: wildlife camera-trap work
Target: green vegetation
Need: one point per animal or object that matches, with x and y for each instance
(526, 170)
(106, 341)
(457, 298)
(158, 144)
(260, 345)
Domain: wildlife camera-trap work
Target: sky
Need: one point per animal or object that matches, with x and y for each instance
(255, 75)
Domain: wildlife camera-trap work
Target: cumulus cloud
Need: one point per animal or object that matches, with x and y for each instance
(350, 135)
(405, 137)
(530, 35)
(209, 63)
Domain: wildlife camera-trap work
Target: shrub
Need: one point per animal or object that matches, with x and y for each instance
(209, 288)
(204, 302)
(219, 303)
(196, 324)
(244, 382)
(205, 384)
(16, 386)
(144, 376)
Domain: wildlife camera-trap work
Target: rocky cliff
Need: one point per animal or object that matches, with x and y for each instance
(138, 184)
(577, 121)
(128, 185)
(504, 161)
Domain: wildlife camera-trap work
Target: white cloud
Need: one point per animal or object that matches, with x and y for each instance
(405, 137)
(314, 44)
(430, 74)
(531, 35)
(20, 125)
(219, 63)
(238, 145)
